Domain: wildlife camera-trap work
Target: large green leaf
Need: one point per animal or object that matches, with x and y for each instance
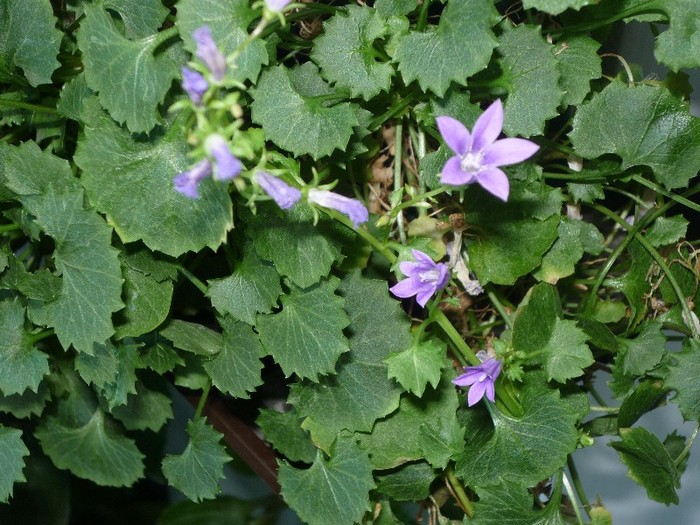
(346, 55)
(197, 471)
(410, 482)
(289, 105)
(683, 378)
(100, 368)
(130, 180)
(29, 41)
(334, 490)
(12, 454)
(283, 430)
(130, 78)
(306, 337)
(141, 17)
(643, 125)
(460, 46)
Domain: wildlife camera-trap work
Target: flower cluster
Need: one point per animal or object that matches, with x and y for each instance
(481, 379)
(424, 278)
(226, 166)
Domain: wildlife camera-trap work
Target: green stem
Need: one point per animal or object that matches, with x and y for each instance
(658, 189)
(419, 199)
(364, 233)
(577, 483)
(647, 7)
(501, 310)
(398, 179)
(193, 279)
(607, 410)
(35, 338)
(9, 227)
(423, 16)
(393, 110)
(463, 348)
(686, 449)
(459, 492)
(572, 496)
(202, 400)
(164, 36)
(25, 105)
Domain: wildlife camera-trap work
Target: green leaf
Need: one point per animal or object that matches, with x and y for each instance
(410, 482)
(360, 392)
(683, 378)
(116, 392)
(160, 357)
(560, 260)
(641, 354)
(531, 72)
(647, 396)
(283, 430)
(193, 337)
(117, 166)
(28, 403)
(579, 63)
(305, 339)
(634, 284)
(554, 7)
(566, 354)
(511, 237)
(334, 490)
(30, 41)
(228, 21)
(300, 250)
(223, 510)
(197, 471)
(22, 364)
(679, 46)
(252, 288)
(130, 80)
(643, 125)
(346, 55)
(145, 409)
(289, 105)
(523, 450)
(236, 369)
(100, 368)
(667, 230)
(419, 365)
(395, 7)
(12, 454)
(513, 504)
(458, 47)
(141, 17)
(649, 464)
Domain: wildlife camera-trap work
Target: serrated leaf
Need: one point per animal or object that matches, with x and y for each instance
(145, 409)
(560, 260)
(532, 76)
(283, 430)
(395, 7)
(130, 180)
(300, 250)
(22, 364)
(116, 392)
(641, 354)
(306, 337)
(199, 469)
(101, 367)
(160, 357)
(286, 104)
(513, 504)
(193, 337)
(228, 22)
(30, 41)
(647, 396)
(28, 403)
(12, 454)
(360, 392)
(554, 7)
(679, 46)
(578, 63)
(441, 440)
(460, 46)
(130, 79)
(252, 288)
(141, 17)
(236, 369)
(346, 55)
(419, 365)
(683, 378)
(334, 490)
(523, 450)
(643, 125)
(410, 482)
(667, 230)
(566, 354)
(649, 464)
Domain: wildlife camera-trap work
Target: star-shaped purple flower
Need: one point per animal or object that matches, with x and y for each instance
(194, 84)
(282, 193)
(188, 181)
(482, 380)
(423, 278)
(226, 165)
(353, 208)
(209, 53)
(479, 154)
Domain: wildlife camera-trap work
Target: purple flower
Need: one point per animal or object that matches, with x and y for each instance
(188, 181)
(209, 53)
(482, 379)
(194, 84)
(276, 5)
(423, 278)
(283, 194)
(478, 155)
(226, 165)
(353, 208)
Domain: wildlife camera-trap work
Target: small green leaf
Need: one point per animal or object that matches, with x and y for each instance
(566, 354)
(305, 339)
(28, 403)
(683, 378)
(667, 230)
(395, 7)
(513, 504)
(334, 490)
(679, 46)
(647, 396)
(116, 392)
(193, 337)
(579, 63)
(410, 482)
(560, 260)
(643, 125)
(419, 365)
(199, 469)
(460, 46)
(101, 367)
(283, 430)
(141, 17)
(649, 464)
(535, 318)
(289, 105)
(160, 357)
(145, 409)
(644, 352)
(346, 55)
(554, 7)
(12, 454)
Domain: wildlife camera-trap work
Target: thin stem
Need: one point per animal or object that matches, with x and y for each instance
(577, 483)
(572, 496)
(398, 179)
(501, 310)
(459, 492)
(202, 400)
(423, 16)
(393, 111)
(419, 199)
(35, 338)
(193, 279)
(595, 24)
(25, 105)
(164, 36)
(658, 189)
(462, 347)
(364, 233)
(9, 227)
(607, 410)
(686, 449)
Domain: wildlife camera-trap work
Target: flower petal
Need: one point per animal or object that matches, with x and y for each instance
(455, 134)
(423, 258)
(469, 377)
(476, 392)
(209, 53)
(488, 126)
(353, 208)
(226, 165)
(505, 152)
(194, 84)
(406, 288)
(490, 391)
(453, 175)
(283, 194)
(424, 294)
(409, 268)
(495, 182)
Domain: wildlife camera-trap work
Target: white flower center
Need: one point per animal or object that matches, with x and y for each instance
(471, 162)
(429, 276)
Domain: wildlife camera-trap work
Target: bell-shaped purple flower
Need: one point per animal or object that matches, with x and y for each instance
(209, 53)
(479, 154)
(194, 84)
(282, 193)
(424, 278)
(188, 181)
(481, 380)
(226, 165)
(353, 208)
(276, 5)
